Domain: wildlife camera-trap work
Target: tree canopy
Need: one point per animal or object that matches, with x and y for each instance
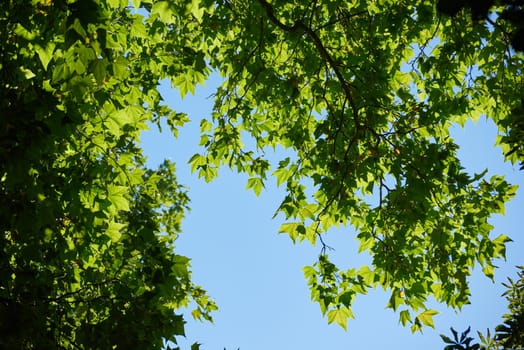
(88, 232)
(364, 94)
(360, 95)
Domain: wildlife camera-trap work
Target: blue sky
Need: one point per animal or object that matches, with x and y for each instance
(255, 275)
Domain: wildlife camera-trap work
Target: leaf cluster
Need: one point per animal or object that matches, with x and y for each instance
(459, 343)
(510, 334)
(87, 231)
(362, 96)
(512, 12)
(359, 95)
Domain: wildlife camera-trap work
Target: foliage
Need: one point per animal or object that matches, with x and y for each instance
(515, 136)
(509, 334)
(362, 96)
(462, 343)
(512, 12)
(87, 230)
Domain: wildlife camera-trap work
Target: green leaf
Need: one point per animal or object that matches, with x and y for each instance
(184, 83)
(367, 275)
(346, 298)
(426, 317)
(77, 26)
(20, 30)
(196, 161)
(395, 300)
(163, 10)
(256, 184)
(28, 74)
(489, 270)
(292, 229)
(117, 196)
(196, 10)
(99, 69)
(45, 54)
(129, 115)
(405, 317)
(120, 68)
(205, 126)
(309, 272)
(282, 175)
(366, 244)
(60, 72)
(117, 3)
(499, 245)
(113, 231)
(340, 316)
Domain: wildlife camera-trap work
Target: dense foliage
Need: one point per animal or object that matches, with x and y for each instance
(511, 12)
(361, 94)
(87, 231)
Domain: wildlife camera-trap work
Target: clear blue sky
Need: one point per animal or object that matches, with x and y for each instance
(255, 275)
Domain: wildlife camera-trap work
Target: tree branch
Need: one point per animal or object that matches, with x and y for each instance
(301, 26)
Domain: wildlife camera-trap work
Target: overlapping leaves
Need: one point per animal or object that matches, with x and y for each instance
(87, 230)
(362, 94)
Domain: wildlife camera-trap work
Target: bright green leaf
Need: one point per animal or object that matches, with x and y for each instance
(426, 317)
(45, 54)
(340, 316)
